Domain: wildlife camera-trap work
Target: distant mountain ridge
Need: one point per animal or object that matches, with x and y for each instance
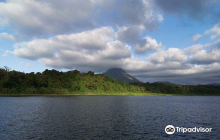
(165, 82)
(213, 84)
(121, 75)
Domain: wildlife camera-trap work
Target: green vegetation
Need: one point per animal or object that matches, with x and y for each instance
(53, 82)
(189, 90)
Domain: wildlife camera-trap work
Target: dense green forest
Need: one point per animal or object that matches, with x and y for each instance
(56, 82)
(167, 88)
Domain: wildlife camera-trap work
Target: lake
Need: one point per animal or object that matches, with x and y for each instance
(107, 117)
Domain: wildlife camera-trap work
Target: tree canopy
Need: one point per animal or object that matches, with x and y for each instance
(56, 82)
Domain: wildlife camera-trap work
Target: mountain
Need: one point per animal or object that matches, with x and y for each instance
(121, 75)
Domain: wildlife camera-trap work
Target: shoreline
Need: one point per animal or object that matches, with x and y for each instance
(102, 94)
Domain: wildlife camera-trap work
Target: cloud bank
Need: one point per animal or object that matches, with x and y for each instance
(101, 34)
(99, 50)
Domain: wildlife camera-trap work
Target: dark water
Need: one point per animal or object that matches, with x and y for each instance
(107, 117)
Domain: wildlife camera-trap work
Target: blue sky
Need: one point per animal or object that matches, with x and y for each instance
(150, 39)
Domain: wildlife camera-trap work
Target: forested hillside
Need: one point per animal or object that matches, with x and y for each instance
(55, 82)
(167, 88)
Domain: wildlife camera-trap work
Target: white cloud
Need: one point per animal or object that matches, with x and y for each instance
(204, 54)
(170, 55)
(7, 36)
(196, 37)
(132, 36)
(84, 42)
(85, 52)
(28, 18)
(64, 17)
(205, 57)
(215, 44)
(93, 49)
(215, 31)
(193, 49)
(160, 18)
(146, 45)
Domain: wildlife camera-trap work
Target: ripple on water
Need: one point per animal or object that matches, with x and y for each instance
(107, 117)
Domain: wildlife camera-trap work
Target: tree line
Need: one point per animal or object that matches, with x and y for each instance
(56, 82)
(168, 88)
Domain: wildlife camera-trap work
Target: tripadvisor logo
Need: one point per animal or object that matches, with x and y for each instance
(169, 129)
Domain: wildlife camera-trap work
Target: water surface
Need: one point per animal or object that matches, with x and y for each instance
(107, 117)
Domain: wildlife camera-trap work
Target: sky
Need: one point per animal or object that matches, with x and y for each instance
(174, 41)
